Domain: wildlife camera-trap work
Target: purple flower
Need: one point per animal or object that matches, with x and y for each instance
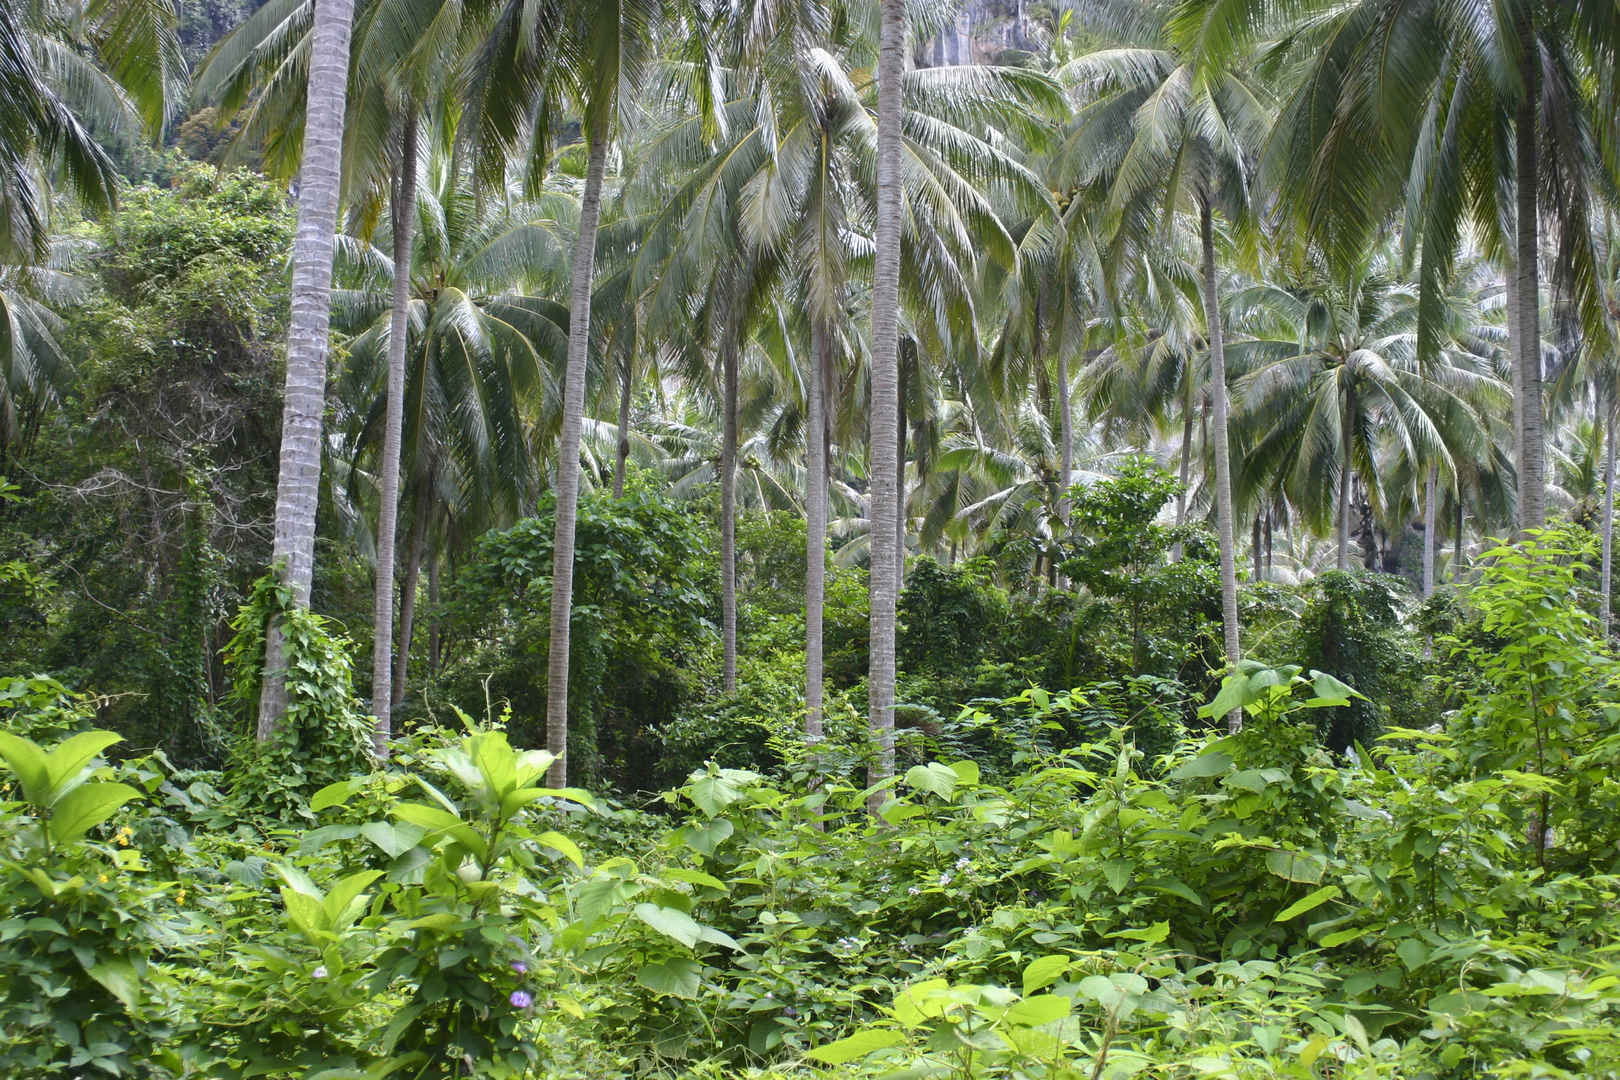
(521, 999)
(520, 967)
(318, 973)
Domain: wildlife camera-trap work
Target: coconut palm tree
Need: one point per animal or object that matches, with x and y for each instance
(1334, 378)
(1463, 116)
(67, 66)
(484, 349)
(34, 369)
(298, 480)
(1165, 131)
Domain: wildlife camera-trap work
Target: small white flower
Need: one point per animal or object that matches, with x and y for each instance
(962, 863)
(944, 878)
(914, 891)
(319, 973)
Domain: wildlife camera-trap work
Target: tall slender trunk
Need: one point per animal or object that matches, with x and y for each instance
(573, 419)
(1346, 424)
(298, 482)
(815, 529)
(900, 429)
(626, 383)
(1531, 464)
(383, 692)
(1186, 455)
(1271, 514)
(1606, 581)
(728, 492)
(1431, 525)
(1255, 551)
(1457, 541)
(1065, 432)
(415, 550)
(884, 439)
(434, 643)
(1223, 461)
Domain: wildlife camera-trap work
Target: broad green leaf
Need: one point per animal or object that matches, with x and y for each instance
(393, 838)
(345, 895)
(85, 807)
(696, 877)
(1037, 1010)
(1211, 764)
(1309, 902)
(934, 778)
(857, 1046)
(556, 841)
(336, 793)
(1044, 972)
(117, 976)
(677, 925)
(678, 977)
(1150, 935)
(1302, 866)
(64, 764)
(967, 772)
(27, 762)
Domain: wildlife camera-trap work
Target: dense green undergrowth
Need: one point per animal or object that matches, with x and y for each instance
(1032, 900)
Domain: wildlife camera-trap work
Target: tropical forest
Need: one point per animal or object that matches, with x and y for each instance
(809, 539)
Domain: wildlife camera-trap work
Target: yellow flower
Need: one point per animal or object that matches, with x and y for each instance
(124, 835)
(102, 878)
(181, 898)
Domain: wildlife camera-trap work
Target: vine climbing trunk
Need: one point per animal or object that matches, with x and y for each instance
(884, 439)
(383, 691)
(298, 480)
(567, 483)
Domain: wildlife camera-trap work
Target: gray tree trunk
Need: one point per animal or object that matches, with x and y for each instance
(815, 546)
(901, 430)
(1345, 473)
(1457, 551)
(884, 440)
(1186, 457)
(728, 493)
(383, 693)
(1532, 459)
(1606, 581)
(298, 481)
(1431, 526)
(415, 551)
(573, 419)
(622, 451)
(434, 642)
(1223, 461)
(1065, 431)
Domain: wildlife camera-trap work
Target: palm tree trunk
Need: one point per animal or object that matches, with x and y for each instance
(1606, 581)
(815, 545)
(623, 449)
(900, 482)
(1457, 541)
(415, 550)
(1345, 423)
(1186, 456)
(1223, 461)
(728, 495)
(1255, 550)
(434, 642)
(573, 419)
(298, 481)
(1532, 466)
(1430, 526)
(884, 439)
(1065, 432)
(383, 692)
